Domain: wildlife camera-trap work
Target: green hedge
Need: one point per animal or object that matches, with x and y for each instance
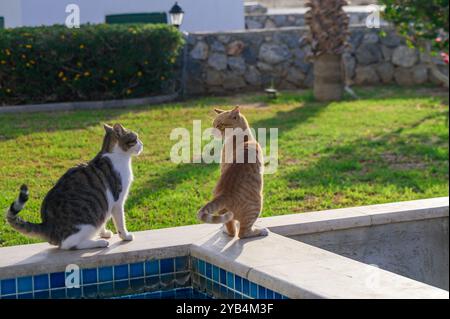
(95, 62)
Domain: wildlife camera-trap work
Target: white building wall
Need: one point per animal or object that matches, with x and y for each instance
(201, 15)
(11, 11)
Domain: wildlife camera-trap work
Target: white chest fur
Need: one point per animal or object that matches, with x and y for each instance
(122, 165)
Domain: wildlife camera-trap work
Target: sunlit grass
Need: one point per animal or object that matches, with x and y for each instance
(391, 145)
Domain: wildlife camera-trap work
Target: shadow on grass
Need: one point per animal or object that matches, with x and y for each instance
(22, 124)
(407, 160)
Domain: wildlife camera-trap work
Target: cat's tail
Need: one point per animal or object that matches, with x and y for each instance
(206, 213)
(30, 229)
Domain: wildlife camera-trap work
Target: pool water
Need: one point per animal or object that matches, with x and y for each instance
(181, 293)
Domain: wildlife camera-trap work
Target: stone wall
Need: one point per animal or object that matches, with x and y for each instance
(252, 60)
(270, 21)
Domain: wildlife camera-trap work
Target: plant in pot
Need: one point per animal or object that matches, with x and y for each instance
(328, 24)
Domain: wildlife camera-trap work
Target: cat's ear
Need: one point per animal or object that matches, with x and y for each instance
(219, 111)
(119, 129)
(235, 112)
(108, 129)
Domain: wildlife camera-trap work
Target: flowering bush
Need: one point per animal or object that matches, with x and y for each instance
(95, 62)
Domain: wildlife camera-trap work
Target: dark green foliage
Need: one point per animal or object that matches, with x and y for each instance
(420, 20)
(95, 62)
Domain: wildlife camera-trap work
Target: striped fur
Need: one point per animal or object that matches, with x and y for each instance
(238, 195)
(85, 195)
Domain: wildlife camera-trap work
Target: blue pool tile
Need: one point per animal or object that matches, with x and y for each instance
(168, 294)
(237, 283)
(89, 276)
(168, 281)
(277, 296)
(137, 284)
(246, 287)
(223, 276)
(181, 263)
(9, 297)
(105, 274)
(194, 262)
(58, 293)
(57, 280)
(208, 270)
(167, 265)
(25, 296)
(201, 267)
(253, 290)
(215, 273)
(121, 286)
(137, 270)
(230, 280)
(106, 289)
(223, 292)
(185, 293)
(74, 293)
(216, 289)
(262, 292)
(230, 294)
(25, 284)
(41, 282)
(120, 272)
(152, 283)
(152, 268)
(90, 291)
(45, 294)
(270, 294)
(8, 286)
(153, 295)
(284, 297)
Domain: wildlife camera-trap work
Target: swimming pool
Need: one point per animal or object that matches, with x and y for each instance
(182, 277)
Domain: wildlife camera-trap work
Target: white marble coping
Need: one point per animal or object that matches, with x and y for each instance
(301, 271)
(276, 262)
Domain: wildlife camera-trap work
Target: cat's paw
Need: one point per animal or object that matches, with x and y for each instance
(126, 236)
(225, 231)
(106, 234)
(263, 232)
(102, 243)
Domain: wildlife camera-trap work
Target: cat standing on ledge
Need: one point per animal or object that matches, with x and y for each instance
(238, 196)
(78, 207)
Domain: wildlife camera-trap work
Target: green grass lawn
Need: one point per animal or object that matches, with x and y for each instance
(391, 145)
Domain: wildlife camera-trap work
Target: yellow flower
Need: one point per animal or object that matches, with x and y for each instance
(82, 46)
(64, 79)
(111, 71)
(32, 62)
(7, 52)
(24, 56)
(114, 81)
(129, 91)
(139, 74)
(28, 65)
(79, 64)
(29, 46)
(145, 62)
(61, 74)
(87, 73)
(8, 90)
(3, 62)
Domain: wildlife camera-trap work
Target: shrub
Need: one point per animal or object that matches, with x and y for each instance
(95, 62)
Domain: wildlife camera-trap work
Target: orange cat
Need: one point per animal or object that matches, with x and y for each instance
(238, 196)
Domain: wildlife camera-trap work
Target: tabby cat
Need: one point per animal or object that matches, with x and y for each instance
(78, 207)
(238, 197)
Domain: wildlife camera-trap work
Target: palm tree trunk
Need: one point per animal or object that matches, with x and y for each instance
(328, 77)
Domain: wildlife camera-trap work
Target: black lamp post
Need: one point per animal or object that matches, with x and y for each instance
(176, 15)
